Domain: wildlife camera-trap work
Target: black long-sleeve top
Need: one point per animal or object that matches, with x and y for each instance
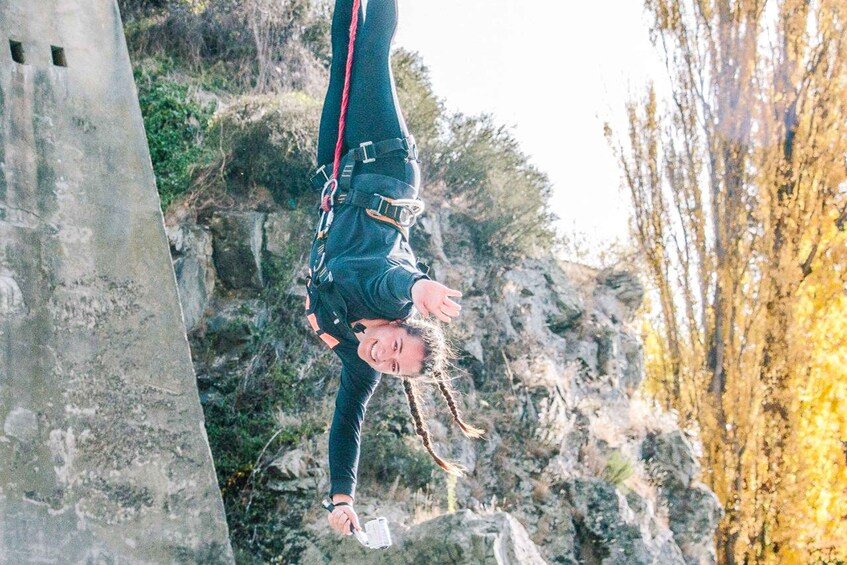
(373, 269)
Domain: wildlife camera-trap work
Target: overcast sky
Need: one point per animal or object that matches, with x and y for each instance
(554, 71)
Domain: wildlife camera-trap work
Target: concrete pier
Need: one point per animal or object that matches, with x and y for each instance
(103, 452)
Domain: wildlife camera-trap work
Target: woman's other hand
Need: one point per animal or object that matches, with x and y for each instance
(430, 297)
(342, 516)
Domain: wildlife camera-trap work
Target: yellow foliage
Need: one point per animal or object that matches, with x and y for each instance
(815, 508)
(740, 212)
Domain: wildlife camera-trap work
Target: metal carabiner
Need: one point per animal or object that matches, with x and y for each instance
(332, 186)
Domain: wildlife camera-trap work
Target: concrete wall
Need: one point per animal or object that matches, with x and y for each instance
(103, 453)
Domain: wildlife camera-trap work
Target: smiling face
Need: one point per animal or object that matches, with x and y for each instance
(390, 349)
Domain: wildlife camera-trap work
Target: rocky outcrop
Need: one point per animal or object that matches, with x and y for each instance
(278, 229)
(463, 538)
(576, 467)
(191, 249)
(608, 529)
(238, 238)
(296, 471)
(693, 510)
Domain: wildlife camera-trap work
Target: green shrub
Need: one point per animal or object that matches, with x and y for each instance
(242, 418)
(262, 47)
(490, 180)
(132, 10)
(422, 110)
(618, 468)
(385, 456)
(479, 165)
(175, 126)
(267, 141)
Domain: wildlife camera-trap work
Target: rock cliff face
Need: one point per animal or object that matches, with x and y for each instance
(575, 467)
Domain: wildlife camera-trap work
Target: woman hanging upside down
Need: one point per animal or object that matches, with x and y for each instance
(364, 278)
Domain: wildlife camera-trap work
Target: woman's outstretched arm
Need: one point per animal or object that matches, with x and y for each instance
(358, 383)
(396, 286)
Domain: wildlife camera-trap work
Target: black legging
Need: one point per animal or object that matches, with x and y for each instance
(373, 112)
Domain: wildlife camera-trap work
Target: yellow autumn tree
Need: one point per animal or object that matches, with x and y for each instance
(739, 190)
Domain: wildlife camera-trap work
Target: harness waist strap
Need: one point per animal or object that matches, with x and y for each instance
(368, 152)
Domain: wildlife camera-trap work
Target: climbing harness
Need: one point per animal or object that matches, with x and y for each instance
(383, 198)
(400, 212)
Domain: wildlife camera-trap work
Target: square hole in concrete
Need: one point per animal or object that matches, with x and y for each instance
(17, 51)
(58, 56)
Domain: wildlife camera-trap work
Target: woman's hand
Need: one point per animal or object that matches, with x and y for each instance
(341, 518)
(430, 297)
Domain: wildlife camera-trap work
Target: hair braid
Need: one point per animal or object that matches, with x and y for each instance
(447, 393)
(421, 430)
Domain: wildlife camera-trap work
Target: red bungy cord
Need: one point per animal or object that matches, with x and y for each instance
(345, 96)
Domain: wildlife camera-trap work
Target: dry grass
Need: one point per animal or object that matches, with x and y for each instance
(540, 491)
(592, 459)
(645, 415)
(425, 506)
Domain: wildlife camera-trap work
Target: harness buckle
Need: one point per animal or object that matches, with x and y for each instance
(407, 218)
(364, 145)
(411, 148)
(322, 171)
(409, 208)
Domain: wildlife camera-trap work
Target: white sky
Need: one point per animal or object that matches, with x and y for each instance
(554, 71)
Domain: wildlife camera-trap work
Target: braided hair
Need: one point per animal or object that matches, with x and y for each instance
(434, 370)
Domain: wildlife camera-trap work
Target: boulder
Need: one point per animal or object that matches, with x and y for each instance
(191, 251)
(291, 465)
(693, 510)
(462, 538)
(625, 286)
(670, 459)
(569, 307)
(540, 299)
(296, 471)
(693, 514)
(608, 530)
(278, 230)
(465, 537)
(238, 248)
